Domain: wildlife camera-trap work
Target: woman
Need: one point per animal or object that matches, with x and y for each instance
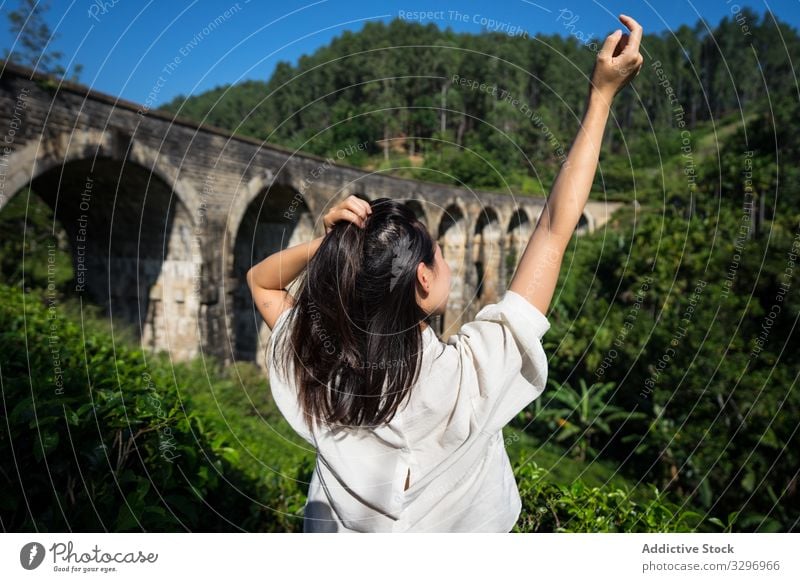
(407, 428)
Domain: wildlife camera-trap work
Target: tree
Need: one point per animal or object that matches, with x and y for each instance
(32, 39)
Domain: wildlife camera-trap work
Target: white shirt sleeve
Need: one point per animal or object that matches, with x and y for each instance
(503, 362)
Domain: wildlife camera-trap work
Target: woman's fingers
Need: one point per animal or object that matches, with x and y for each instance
(357, 205)
(361, 203)
(354, 217)
(352, 209)
(339, 214)
(619, 59)
(623, 42)
(635, 37)
(607, 51)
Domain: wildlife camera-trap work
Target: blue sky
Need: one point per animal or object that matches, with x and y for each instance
(151, 51)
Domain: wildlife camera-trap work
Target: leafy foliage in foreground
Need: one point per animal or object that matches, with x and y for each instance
(106, 438)
(694, 323)
(551, 507)
(100, 438)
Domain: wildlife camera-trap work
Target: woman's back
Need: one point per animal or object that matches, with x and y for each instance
(447, 435)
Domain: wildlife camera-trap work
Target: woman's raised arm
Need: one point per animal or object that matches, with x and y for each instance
(537, 274)
(267, 279)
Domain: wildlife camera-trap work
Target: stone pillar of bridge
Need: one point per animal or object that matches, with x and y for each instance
(212, 310)
(453, 241)
(516, 239)
(486, 255)
(171, 322)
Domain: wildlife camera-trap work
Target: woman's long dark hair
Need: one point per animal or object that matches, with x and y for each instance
(355, 338)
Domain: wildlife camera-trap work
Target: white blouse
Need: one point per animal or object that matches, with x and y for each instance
(448, 433)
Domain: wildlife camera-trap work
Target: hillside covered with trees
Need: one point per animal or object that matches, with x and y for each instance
(495, 111)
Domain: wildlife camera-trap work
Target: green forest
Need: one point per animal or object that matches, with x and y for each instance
(413, 95)
(672, 403)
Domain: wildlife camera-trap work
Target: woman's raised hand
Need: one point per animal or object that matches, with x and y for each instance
(351, 208)
(619, 60)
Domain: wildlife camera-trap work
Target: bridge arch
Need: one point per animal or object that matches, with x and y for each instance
(585, 224)
(277, 217)
(39, 156)
(130, 236)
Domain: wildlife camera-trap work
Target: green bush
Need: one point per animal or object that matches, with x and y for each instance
(100, 437)
(551, 507)
(103, 436)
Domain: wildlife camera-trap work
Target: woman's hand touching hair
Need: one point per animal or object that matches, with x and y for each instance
(269, 278)
(619, 60)
(352, 208)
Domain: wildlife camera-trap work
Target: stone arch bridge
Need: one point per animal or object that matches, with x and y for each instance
(165, 216)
